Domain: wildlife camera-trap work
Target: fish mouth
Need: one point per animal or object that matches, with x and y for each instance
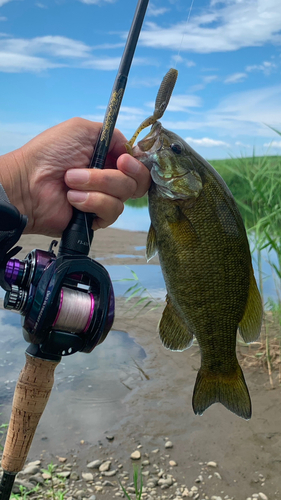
(149, 145)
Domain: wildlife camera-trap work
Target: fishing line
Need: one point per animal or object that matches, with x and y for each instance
(184, 33)
(75, 311)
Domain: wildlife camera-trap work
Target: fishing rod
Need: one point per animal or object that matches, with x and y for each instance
(66, 301)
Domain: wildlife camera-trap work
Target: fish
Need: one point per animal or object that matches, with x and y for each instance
(199, 235)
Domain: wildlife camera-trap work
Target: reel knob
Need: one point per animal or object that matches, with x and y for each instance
(15, 299)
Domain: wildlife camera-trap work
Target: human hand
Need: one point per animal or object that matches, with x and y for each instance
(49, 175)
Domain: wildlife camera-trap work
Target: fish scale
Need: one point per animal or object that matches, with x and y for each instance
(204, 254)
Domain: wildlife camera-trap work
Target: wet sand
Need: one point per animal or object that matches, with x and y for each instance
(247, 453)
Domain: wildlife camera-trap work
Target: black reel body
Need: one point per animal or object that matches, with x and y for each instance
(67, 303)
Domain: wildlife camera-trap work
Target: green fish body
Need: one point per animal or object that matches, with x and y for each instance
(198, 232)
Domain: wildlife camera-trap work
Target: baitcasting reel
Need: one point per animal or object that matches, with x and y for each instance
(66, 302)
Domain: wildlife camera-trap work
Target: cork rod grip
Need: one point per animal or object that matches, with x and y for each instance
(31, 396)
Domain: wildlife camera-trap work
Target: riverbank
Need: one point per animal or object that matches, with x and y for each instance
(245, 456)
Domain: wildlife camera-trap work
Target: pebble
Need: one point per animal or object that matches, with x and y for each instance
(23, 482)
(105, 466)
(110, 473)
(217, 474)
(262, 496)
(212, 464)
(172, 463)
(168, 444)
(65, 474)
(136, 455)
(31, 469)
(108, 483)
(146, 462)
(155, 451)
(93, 497)
(109, 438)
(95, 464)
(88, 476)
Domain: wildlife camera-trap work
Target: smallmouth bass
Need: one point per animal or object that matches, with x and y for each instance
(198, 232)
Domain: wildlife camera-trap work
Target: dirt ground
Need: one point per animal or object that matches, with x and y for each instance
(247, 453)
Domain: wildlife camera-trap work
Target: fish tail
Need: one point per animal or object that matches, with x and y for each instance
(229, 389)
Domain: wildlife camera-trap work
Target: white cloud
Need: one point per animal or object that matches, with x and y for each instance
(273, 144)
(266, 67)
(153, 11)
(224, 26)
(2, 2)
(110, 63)
(16, 63)
(97, 2)
(236, 78)
(182, 103)
(206, 142)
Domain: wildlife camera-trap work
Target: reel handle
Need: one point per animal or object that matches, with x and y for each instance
(30, 398)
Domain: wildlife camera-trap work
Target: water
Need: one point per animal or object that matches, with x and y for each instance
(89, 389)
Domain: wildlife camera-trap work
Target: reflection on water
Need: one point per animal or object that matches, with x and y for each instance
(87, 398)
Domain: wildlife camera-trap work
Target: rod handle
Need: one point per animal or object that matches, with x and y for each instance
(30, 398)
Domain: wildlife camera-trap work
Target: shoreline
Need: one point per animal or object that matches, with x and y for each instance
(246, 453)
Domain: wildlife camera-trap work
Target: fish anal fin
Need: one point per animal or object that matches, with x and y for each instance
(250, 325)
(228, 389)
(151, 243)
(173, 331)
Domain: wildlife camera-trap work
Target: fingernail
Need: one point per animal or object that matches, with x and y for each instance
(78, 176)
(132, 165)
(77, 196)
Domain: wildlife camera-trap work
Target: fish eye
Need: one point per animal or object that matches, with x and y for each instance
(176, 148)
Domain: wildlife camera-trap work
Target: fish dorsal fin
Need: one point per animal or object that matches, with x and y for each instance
(173, 331)
(250, 325)
(151, 243)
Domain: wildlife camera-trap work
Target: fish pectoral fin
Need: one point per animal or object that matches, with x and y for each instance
(228, 389)
(151, 243)
(173, 331)
(250, 325)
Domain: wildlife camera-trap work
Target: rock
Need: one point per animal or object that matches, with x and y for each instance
(172, 463)
(212, 464)
(146, 473)
(37, 478)
(74, 476)
(146, 462)
(110, 473)
(23, 482)
(215, 497)
(155, 451)
(64, 473)
(31, 469)
(98, 489)
(62, 459)
(88, 476)
(217, 475)
(262, 496)
(199, 479)
(168, 481)
(168, 444)
(93, 497)
(46, 475)
(108, 483)
(95, 464)
(35, 463)
(185, 493)
(136, 455)
(105, 466)
(109, 438)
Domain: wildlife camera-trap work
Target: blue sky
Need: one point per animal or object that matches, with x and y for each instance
(58, 59)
